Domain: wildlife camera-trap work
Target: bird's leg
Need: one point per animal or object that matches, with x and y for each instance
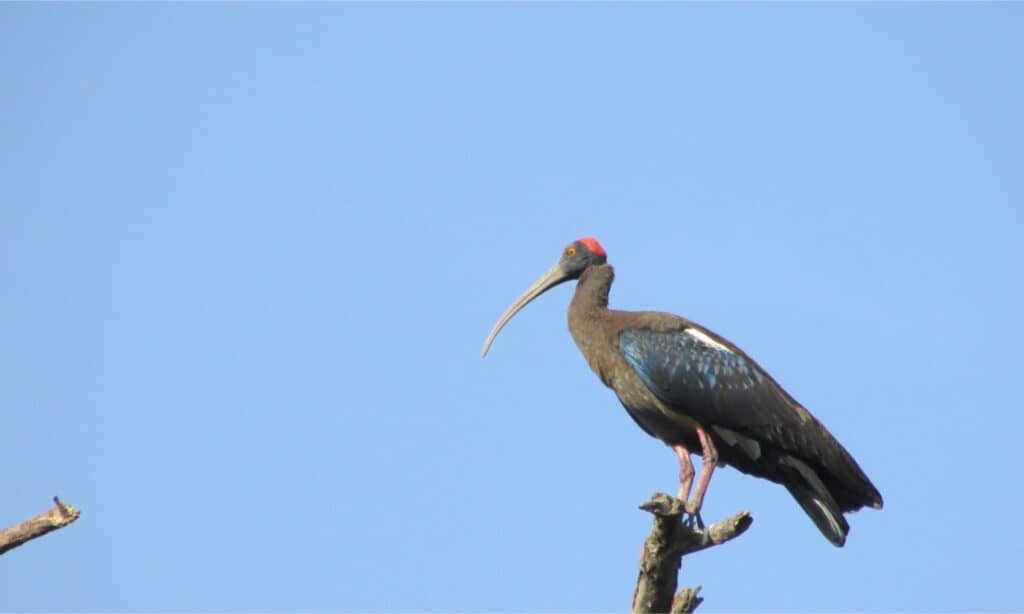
(685, 478)
(709, 459)
(685, 472)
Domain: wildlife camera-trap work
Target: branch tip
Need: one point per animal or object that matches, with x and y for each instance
(686, 601)
(39, 525)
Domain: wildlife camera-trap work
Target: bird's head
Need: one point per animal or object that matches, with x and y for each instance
(577, 257)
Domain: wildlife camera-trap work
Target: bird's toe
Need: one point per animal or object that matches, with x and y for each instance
(693, 515)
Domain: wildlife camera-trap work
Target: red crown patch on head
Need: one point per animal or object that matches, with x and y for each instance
(593, 246)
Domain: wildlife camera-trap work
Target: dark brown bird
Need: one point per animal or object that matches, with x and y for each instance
(696, 391)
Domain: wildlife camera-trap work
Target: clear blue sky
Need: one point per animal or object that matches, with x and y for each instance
(250, 253)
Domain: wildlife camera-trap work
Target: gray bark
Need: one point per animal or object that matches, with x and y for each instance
(669, 541)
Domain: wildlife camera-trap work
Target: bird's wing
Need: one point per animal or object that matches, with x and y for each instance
(695, 372)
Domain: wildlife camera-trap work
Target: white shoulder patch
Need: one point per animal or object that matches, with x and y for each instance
(703, 338)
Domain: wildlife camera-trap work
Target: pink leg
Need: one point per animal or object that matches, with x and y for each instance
(685, 472)
(709, 459)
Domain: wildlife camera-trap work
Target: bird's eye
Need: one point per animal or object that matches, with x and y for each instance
(570, 252)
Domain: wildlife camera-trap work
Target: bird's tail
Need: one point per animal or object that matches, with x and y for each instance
(809, 491)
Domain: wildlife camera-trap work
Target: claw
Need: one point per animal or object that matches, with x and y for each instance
(695, 524)
(693, 512)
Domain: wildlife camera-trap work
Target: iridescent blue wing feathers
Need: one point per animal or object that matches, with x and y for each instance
(697, 373)
(710, 381)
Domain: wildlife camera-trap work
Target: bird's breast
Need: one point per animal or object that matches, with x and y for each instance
(658, 420)
(597, 338)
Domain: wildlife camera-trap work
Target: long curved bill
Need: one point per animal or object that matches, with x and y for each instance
(552, 278)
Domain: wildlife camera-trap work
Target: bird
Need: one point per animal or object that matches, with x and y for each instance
(701, 394)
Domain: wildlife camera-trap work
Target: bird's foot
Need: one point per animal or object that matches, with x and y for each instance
(693, 515)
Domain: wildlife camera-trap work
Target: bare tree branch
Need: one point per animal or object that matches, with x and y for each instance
(686, 601)
(60, 516)
(664, 549)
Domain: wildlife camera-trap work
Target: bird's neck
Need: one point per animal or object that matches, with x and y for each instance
(587, 314)
(593, 287)
(591, 298)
